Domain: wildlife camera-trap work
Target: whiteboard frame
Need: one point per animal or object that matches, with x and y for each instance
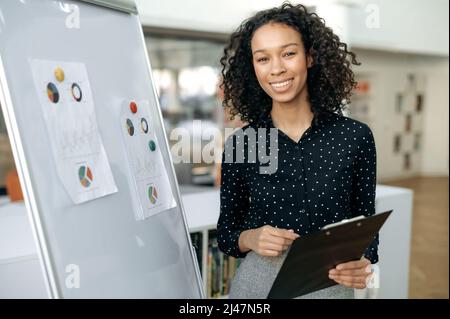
(27, 186)
(128, 6)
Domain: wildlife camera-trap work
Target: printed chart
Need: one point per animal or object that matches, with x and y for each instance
(149, 175)
(66, 100)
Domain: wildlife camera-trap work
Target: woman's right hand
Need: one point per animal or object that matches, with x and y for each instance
(266, 240)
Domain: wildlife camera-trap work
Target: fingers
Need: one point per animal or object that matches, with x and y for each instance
(273, 246)
(357, 264)
(272, 250)
(351, 272)
(278, 236)
(352, 284)
(277, 240)
(284, 233)
(271, 241)
(359, 282)
(268, 253)
(351, 279)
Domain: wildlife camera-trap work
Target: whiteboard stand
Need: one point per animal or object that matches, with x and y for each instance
(118, 256)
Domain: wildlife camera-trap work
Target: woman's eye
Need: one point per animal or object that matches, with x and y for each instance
(261, 59)
(289, 53)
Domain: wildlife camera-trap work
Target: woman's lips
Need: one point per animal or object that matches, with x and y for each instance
(281, 86)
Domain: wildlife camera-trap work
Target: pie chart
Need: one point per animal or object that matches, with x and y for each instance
(144, 125)
(85, 176)
(52, 92)
(130, 127)
(76, 92)
(152, 194)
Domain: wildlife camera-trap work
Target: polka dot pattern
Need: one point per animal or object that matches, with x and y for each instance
(329, 175)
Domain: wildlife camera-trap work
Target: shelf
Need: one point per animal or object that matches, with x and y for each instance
(216, 268)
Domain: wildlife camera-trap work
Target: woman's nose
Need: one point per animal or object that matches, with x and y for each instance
(277, 68)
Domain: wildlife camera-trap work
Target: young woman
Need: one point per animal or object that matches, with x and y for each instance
(284, 70)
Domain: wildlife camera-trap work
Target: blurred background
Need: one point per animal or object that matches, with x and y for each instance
(402, 95)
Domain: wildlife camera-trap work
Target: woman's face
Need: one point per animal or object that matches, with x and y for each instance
(280, 62)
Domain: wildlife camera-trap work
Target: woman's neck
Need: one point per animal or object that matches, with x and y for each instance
(290, 117)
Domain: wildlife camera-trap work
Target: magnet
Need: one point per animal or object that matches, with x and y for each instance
(152, 145)
(59, 74)
(52, 92)
(144, 125)
(77, 94)
(130, 127)
(133, 107)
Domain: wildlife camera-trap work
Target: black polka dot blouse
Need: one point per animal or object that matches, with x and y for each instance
(329, 175)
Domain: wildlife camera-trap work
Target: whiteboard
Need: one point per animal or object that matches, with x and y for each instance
(112, 253)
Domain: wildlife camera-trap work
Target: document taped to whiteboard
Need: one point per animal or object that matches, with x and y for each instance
(148, 176)
(68, 109)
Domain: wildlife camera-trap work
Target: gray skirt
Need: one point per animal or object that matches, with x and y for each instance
(256, 274)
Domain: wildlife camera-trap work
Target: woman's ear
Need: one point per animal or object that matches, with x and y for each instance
(309, 60)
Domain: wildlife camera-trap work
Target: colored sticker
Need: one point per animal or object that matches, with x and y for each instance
(59, 74)
(76, 92)
(152, 145)
(144, 125)
(52, 92)
(133, 107)
(130, 127)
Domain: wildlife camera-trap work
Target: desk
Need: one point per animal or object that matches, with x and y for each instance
(20, 274)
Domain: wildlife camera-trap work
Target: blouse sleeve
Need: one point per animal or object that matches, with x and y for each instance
(364, 185)
(234, 202)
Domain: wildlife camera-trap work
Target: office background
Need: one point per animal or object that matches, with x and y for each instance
(402, 95)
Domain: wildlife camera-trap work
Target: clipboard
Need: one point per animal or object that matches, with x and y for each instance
(310, 257)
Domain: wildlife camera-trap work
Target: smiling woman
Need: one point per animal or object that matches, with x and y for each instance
(330, 79)
(283, 69)
(282, 66)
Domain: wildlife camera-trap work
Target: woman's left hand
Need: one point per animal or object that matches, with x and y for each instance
(353, 274)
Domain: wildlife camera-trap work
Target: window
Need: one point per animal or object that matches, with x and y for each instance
(186, 72)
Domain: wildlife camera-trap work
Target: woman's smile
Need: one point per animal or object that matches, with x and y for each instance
(281, 86)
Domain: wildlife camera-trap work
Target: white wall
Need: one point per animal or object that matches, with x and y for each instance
(199, 15)
(226, 16)
(417, 26)
(420, 26)
(388, 72)
(435, 157)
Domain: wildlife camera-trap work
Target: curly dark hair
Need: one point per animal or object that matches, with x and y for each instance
(330, 79)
